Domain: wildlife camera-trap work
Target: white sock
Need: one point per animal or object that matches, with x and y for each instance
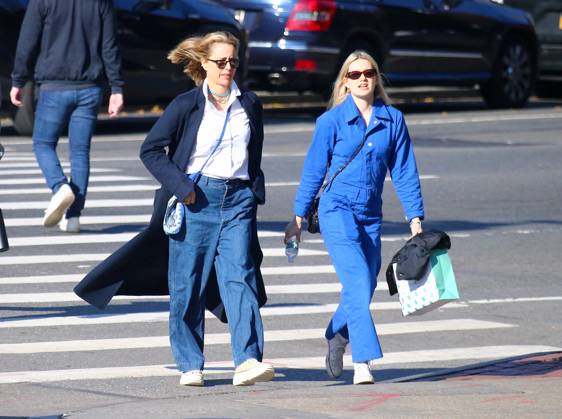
(360, 365)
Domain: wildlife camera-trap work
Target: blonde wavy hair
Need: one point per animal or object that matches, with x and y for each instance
(192, 51)
(340, 92)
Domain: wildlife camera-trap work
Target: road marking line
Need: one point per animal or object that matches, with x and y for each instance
(94, 238)
(267, 271)
(516, 300)
(494, 117)
(425, 356)
(84, 220)
(64, 297)
(224, 338)
(13, 172)
(95, 189)
(86, 257)
(90, 203)
(91, 319)
(162, 316)
(23, 164)
(225, 367)
(41, 180)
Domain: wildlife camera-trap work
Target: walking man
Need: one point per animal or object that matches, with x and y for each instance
(69, 47)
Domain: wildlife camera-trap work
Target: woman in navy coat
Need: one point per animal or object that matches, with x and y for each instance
(350, 210)
(214, 260)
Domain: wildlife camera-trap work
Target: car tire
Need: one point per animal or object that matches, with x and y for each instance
(24, 117)
(513, 76)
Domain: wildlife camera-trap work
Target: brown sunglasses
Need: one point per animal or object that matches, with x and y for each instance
(221, 64)
(355, 75)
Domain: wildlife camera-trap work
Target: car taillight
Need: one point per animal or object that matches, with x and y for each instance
(305, 65)
(312, 16)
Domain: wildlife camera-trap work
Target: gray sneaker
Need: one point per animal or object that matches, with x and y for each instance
(334, 358)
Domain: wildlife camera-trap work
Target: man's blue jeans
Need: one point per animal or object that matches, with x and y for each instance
(216, 231)
(77, 108)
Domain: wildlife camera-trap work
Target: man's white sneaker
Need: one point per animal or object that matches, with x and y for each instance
(251, 372)
(334, 357)
(192, 378)
(70, 225)
(60, 201)
(362, 373)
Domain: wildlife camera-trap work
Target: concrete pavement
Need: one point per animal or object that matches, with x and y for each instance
(520, 387)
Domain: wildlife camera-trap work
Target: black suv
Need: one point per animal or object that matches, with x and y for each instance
(300, 44)
(147, 30)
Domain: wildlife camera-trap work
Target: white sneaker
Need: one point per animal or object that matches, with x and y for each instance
(251, 372)
(70, 225)
(362, 373)
(192, 378)
(60, 201)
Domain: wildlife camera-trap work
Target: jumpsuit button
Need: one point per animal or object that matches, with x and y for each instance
(370, 144)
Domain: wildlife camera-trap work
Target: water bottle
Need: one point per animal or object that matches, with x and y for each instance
(292, 249)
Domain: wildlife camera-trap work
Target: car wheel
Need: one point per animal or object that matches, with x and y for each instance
(512, 76)
(25, 116)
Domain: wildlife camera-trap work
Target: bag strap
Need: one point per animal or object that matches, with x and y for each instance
(217, 143)
(355, 153)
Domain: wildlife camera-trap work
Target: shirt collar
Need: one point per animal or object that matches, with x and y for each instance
(351, 112)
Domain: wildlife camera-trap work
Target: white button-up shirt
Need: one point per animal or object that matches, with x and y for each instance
(230, 160)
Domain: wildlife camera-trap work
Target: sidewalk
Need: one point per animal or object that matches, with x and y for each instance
(521, 387)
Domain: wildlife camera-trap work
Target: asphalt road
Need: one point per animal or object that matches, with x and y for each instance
(491, 179)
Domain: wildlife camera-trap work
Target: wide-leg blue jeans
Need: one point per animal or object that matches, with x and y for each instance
(77, 108)
(216, 231)
(351, 234)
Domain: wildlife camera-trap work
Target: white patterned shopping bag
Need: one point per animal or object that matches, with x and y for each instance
(435, 288)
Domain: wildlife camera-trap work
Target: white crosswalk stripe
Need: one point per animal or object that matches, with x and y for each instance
(224, 338)
(91, 189)
(41, 181)
(48, 321)
(162, 316)
(94, 257)
(391, 358)
(11, 172)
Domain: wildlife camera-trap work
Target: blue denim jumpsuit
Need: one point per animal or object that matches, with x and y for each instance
(350, 210)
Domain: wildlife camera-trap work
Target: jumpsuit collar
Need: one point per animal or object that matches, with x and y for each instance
(352, 114)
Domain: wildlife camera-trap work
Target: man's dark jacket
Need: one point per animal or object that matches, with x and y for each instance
(412, 259)
(140, 267)
(68, 42)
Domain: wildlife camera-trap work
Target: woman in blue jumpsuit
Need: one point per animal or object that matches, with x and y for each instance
(350, 210)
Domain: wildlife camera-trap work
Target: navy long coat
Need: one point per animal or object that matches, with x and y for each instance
(140, 267)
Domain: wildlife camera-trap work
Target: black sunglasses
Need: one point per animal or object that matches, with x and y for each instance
(234, 62)
(354, 75)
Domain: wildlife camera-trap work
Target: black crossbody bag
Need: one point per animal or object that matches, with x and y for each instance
(312, 216)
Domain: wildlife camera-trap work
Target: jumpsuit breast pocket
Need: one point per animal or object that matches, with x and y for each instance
(377, 160)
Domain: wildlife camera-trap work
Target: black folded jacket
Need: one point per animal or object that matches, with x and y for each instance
(411, 260)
